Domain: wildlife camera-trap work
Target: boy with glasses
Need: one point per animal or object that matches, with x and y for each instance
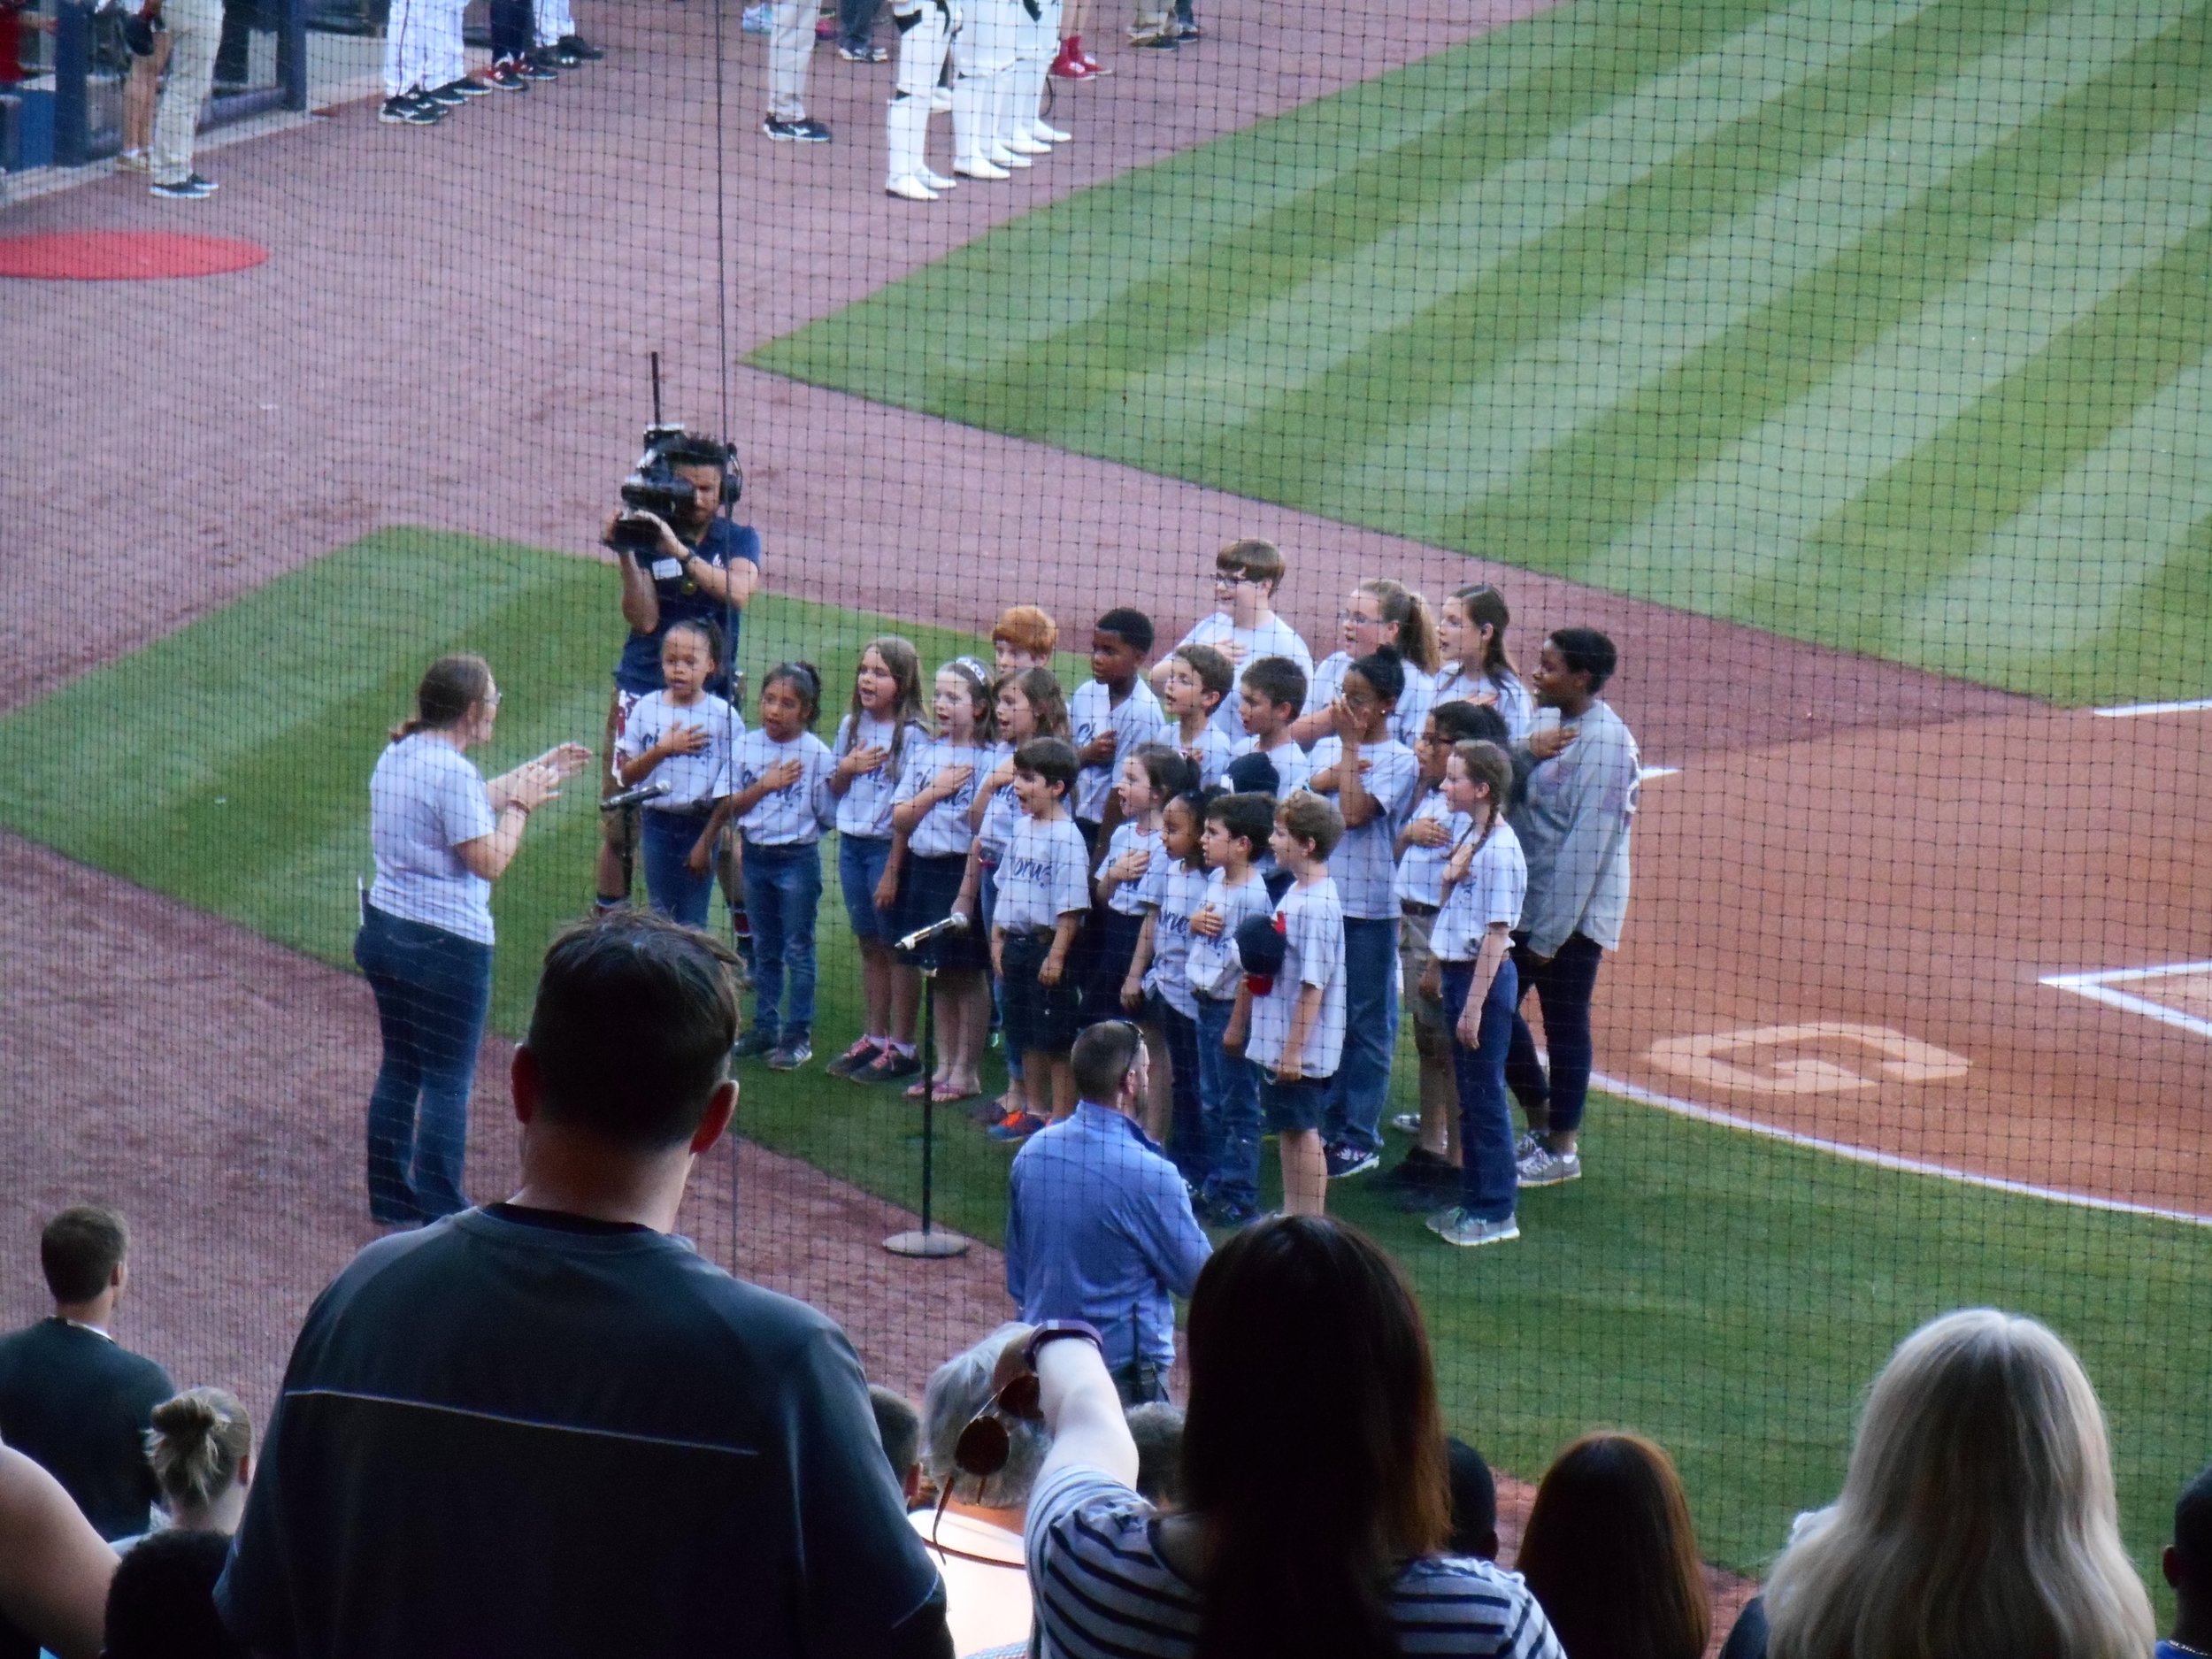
(1243, 625)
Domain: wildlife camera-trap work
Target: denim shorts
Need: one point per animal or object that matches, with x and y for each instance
(1291, 1104)
(861, 862)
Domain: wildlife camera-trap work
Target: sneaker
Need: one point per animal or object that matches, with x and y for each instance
(863, 54)
(910, 189)
(1456, 1226)
(132, 161)
(1348, 1161)
(796, 132)
(469, 86)
(506, 78)
(192, 189)
(854, 1059)
(1067, 68)
(759, 19)
(1092, 65)
(1045, 133)
(450, 96)
(531, 69)
(890, 1066)
(790, 1055)
(980, 167)
(1543, 1167)
(1156, 39)
(759, 1039)
(1223, 1212)
(1407, 1122)
(938, 181)
(404, 112)
(1186, 30)
(825, 29)
(1015, 1126)
(554, 58)
(576, 46)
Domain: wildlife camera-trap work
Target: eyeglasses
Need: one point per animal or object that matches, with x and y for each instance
(1353, 616)
(1233, 578)
(492, 697)
(983, 1448)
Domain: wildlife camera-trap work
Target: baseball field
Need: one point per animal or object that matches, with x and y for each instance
(1845, 360)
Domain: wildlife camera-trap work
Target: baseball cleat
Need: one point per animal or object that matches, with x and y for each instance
(910, 189)
(980, 167)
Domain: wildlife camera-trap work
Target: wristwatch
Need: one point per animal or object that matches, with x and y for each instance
(1053, 1329)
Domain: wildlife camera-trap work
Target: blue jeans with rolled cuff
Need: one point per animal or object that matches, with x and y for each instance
(433, 989)
(1488, 1180)
(1361, 1083)
(783, 890)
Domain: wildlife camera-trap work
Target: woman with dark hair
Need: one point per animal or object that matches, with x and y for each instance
(1306, 1534)
(441, 836)
(1611, 1552)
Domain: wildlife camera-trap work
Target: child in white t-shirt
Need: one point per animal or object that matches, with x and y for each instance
(1151, 776)
(1471, 632)
(1243, 625)
(1486, 880)
(1158, 982)
(1269, 695)
(1042, 901)
(1112, 713)
(1381, 613)
(680, 736)
(1196, 682)
(1294, 1029)
(776, 788)
(1236, 831)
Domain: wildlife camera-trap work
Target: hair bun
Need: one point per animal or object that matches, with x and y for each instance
(187, 1415)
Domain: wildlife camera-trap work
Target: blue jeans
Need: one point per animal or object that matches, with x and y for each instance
(1563, 988)
(1361, 1083)
(1229, 1105)
(433, 989)
(1488, 1180)
(1188, 1145)
(783, 889)
(855, 21)
(664, 840)
(987, 907)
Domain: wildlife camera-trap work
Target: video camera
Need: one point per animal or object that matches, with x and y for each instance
(653, 486)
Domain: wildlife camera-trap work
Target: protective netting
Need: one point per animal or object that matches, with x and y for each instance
(1843, 363)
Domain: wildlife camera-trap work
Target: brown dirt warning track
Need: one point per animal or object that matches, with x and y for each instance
(1846, 895)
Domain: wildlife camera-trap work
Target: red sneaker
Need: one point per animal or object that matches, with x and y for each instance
(1067, 67)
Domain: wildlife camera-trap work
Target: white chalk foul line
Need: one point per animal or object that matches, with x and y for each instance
(2098, 988)
(2130, 711)
(1887, 1160)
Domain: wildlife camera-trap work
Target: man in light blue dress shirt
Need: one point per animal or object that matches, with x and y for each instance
(1099, 1225)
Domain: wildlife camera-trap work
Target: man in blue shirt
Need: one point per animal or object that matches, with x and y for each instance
(704, 569)
(1099, 1225)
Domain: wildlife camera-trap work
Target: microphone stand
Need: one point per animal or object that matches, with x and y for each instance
(925, 1241)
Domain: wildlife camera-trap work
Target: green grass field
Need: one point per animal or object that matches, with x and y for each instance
(1875, 322)
(1726, 1293)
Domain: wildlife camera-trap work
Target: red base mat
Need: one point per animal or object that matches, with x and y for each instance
(123, 255)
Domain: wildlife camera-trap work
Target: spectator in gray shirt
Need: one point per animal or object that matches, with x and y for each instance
(1573, 819)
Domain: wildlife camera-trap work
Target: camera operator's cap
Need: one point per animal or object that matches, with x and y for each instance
(1253, 774)
(1261, 947)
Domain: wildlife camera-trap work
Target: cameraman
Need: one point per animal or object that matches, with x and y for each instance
(703, 569)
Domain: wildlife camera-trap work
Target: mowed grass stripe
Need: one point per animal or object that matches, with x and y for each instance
(1493, 416)
(1286, 336)
(1268, 206)
(2112, 526)
(1603, 479)
(1740, 519)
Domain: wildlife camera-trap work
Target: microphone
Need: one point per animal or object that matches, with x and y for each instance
(954, 924)
(623, 798)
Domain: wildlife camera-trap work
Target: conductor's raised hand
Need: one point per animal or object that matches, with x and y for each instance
(534, 784)
(565, 760)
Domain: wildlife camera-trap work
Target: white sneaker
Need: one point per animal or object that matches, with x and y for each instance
(1023, 144)
(981, 167)
(910, 189)
(1002, 157)
(1543, 1167)
(1456, 1226)
(940, 101)
(935, 181)
(1045, 133)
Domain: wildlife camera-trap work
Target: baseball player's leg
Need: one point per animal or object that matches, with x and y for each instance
(453, 62)
(397, 27)
(195, 28)
(983, 51)
(924, 32)
(790, 45)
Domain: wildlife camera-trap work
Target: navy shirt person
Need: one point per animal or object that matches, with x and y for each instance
(704, 569)
(548, 1426)
(1099, 1225)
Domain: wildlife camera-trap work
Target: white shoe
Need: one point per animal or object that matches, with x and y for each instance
(940, 101)
(981, 167)
(936, 180)
(1002, 157)
(1047, 134)
(1022, 144)
(910, 189)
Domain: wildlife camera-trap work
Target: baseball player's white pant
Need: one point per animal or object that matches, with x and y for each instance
(450, 63)
(407, 45)
(790, 47)
(1035, 40)
(195, 30)
(982, 53)
(925, 32)
(553, 20)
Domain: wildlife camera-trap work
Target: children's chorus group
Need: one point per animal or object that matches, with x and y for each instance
(1257, 858)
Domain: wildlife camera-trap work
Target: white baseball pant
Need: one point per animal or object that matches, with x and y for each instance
(982, 53)
(925, 32)
(407, 45)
